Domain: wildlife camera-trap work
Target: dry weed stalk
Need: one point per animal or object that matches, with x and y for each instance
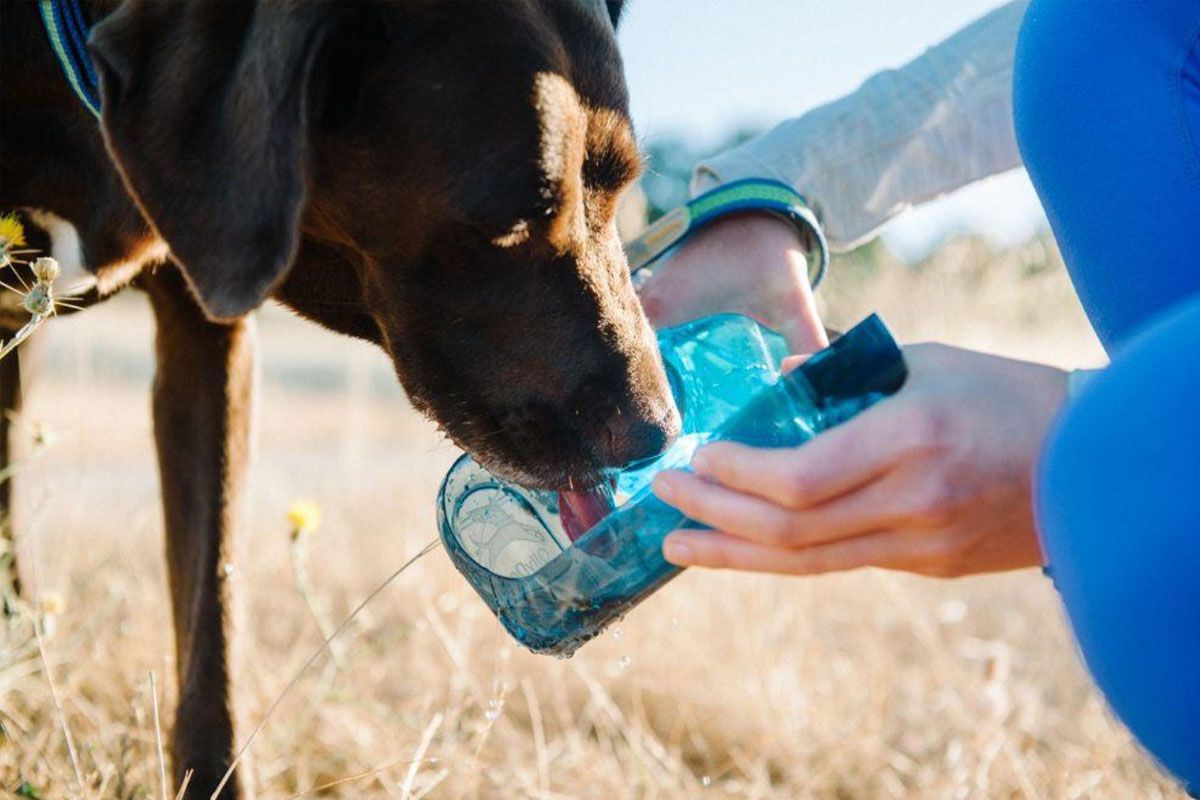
(305, 520)
(237, 759)
(158, 743)
(58, 707)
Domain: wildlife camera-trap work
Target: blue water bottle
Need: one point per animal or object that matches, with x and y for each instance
(557, 568)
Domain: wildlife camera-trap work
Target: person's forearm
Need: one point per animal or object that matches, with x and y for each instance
(904, 137)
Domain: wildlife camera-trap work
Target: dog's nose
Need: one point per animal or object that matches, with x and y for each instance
(629, 437)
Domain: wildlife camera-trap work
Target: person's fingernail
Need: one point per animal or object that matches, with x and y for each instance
(701, 462)
(676, 550)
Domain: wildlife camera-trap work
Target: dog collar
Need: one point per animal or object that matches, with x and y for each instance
(67, 27)
(750, 194)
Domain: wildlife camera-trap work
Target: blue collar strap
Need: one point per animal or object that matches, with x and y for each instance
(67, 28)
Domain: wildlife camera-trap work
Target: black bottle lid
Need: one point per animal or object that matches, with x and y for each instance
(864, 359)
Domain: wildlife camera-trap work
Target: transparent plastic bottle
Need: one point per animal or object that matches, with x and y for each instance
(552, 577)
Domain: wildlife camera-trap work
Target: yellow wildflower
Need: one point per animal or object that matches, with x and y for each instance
(305, 517)
(52, 603)
(12, 235)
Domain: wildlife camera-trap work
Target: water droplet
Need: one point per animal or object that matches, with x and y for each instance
(674, 623)
(624, 661)
(227, 568)
(618, 633)
(493, 710)
(706, 781)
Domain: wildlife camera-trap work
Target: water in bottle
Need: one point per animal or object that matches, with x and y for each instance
(557, 568)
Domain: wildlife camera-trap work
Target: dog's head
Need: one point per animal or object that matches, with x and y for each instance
(439, 177)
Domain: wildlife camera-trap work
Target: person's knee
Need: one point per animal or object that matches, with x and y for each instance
(1118, 516)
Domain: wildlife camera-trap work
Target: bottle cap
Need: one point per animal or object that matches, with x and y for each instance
(863, 360)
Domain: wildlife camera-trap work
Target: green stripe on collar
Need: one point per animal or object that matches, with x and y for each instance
(751, 194)
(67, 29)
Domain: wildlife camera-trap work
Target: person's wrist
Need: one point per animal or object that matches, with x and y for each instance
(761, 232)
(750, 262)
(777, 256)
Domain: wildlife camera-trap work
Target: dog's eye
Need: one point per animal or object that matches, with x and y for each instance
(516, 235)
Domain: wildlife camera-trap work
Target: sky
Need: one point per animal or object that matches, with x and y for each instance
(706, 67)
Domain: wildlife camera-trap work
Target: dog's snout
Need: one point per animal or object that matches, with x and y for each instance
(628, 437)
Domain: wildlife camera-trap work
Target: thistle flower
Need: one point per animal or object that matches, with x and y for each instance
(305, 518)
(39, 300)
(12, 236)
(45, 270)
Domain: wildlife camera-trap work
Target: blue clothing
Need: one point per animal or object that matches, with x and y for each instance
(1107, 105)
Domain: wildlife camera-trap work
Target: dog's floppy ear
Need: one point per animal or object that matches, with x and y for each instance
(205, 110)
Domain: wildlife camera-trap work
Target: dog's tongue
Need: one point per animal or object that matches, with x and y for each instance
(579, 511)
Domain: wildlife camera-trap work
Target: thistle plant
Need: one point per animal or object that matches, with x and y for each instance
(12, 238)
(38, 296)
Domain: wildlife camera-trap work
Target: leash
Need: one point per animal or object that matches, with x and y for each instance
(67, 28)
(750, 194)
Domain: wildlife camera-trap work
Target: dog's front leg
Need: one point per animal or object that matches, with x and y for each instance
(202, 408)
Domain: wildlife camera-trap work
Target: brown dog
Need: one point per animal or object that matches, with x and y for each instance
(436, 177)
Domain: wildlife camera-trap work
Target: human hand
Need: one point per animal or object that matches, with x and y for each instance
(936, 480)
(751, 263)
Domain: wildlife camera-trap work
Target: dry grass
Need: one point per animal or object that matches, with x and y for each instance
(869, 685)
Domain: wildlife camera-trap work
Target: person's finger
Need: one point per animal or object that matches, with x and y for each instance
(919, 552)
(789, 363)
(835, 462)
(713, 505)
(801, 326)
(892, 501)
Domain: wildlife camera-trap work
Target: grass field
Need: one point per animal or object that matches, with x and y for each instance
(854, 687)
